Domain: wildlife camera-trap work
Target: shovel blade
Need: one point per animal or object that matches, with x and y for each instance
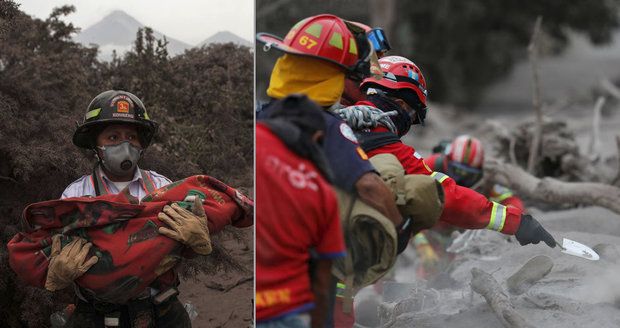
(574, 248)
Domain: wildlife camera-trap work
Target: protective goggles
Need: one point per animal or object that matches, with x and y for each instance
(379, 40)
(368, 63)
(464, 175)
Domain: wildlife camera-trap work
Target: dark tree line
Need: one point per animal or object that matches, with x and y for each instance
(463, 47)
(202, 100)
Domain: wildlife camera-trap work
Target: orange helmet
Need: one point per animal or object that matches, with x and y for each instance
(465, 158)
(466, 150)
(326, 37)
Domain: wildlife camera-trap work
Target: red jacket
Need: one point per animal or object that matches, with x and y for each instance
(464, 207)
(297, 211)
(497, 193)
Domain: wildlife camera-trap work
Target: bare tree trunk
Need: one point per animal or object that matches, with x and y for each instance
(594, 147)
(511, 150)
(533, 54)
(611, 88)
(617, 178)
(552, 190)
(382, 14)
(485, 285)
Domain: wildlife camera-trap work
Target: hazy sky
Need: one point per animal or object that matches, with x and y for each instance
(190, 21)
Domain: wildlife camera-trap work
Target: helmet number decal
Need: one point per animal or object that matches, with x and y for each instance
(307, 42)
(122, 106)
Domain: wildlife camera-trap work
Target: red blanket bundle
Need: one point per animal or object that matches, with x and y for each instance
(123, 231)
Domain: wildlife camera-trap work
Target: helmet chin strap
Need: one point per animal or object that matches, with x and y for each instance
(420, 115)
(99, 163)
(99, 160)
(96, 153)
(411, 99)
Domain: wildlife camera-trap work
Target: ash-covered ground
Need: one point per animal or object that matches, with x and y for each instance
(575, 293)
(225, 299)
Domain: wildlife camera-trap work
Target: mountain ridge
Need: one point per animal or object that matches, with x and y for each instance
(225, 37)
(117, 31)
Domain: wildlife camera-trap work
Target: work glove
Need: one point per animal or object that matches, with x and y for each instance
(532, 232)
(188, 228)
(67, 263)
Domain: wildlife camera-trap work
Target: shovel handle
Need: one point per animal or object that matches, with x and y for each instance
(558, 244)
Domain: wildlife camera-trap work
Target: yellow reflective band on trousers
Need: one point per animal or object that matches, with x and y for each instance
(439, 176)
(498, 217)
(340, 287)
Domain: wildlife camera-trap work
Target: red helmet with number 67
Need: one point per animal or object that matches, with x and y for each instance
(326, 37)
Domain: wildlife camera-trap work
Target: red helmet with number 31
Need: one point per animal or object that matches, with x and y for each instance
(326, 37)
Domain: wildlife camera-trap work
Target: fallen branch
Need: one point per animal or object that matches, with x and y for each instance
(533, 54)
(551, 190)
(226, 288)
(485, 285)
(529, 274)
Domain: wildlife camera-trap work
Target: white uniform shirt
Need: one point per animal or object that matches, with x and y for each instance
(84, 186)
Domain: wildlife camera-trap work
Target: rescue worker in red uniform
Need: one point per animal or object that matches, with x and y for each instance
(298, 212)
(462, 160)
(320, 53)
(351, 95)
(396, 102)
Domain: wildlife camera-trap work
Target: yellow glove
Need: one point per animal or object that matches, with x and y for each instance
(68, 263)
(188, 228)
